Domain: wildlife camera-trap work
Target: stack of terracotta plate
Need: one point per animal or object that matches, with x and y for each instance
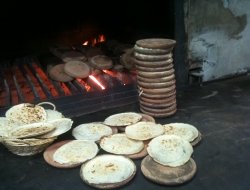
(156, 76)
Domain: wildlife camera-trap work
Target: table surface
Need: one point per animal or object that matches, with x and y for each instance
(220, 111)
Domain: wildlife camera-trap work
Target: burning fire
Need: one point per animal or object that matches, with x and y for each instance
(93, 42)
(97, 82)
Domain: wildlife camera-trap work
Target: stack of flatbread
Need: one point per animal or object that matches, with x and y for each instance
(169, 161)
(27, 126)
(155, 76)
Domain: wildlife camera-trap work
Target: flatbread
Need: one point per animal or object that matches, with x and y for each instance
(57, 73)
(31, 130)
(5, 126)
(170, 150)
(91, 131)
(101, 62)
(107, 169)
(77, 69)
(73, 56)
(144, 130)
(26, 113)
(76, 151)
(123, 119)
(61, 125)
(121, 144)
(53, 115)
(183, 130)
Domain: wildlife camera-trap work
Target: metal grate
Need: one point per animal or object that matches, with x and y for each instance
(25, 80)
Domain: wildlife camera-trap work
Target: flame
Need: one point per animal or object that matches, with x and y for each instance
(101, 38)
(85, 43)
(87, 87)
(97, 82)
(121, 77)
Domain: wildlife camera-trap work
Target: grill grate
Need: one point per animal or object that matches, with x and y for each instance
(25, 80)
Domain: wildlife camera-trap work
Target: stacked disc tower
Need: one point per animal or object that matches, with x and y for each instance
(156, 76)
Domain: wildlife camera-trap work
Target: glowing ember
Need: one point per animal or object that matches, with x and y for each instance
(123, 78)
(87, 87)
(96, 81)
(94, 41)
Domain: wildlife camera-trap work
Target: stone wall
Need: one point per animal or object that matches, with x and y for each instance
(218, 37)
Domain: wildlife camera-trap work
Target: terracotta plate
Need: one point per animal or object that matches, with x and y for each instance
(168, 175)
(49, 152)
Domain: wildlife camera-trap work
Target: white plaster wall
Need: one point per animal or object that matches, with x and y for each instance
(221, 55)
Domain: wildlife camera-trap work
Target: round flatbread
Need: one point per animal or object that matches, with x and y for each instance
(77, 69)
(31, 130)
(123, 119)
(91, 131)
(170, 150)
(121, 144)
(183, 130)
(101, 62)
(57, 73)
(108, 171)
(73, 56)
(144, 130)
(61, 125)
(26, 113)
(76, 151)
(5, 126)
(53, 115)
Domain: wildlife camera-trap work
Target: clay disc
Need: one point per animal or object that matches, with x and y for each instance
(197, 140)
(168, 175)
(101, 62)
(160, 79)
(140, 154)
(156, 43)
(145, 57)
(157, 105)
(154, 64)
(159, 115)
(157, 91)
(157, 96)
(159, 100)
(57, 73)
(77, 69)
(155, 75)
(49, 152)
(73, 56)
(156, 84)
(154, 69)
(152, 51)
(159, 110)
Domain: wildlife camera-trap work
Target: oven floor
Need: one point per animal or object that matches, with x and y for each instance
(220, 110)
